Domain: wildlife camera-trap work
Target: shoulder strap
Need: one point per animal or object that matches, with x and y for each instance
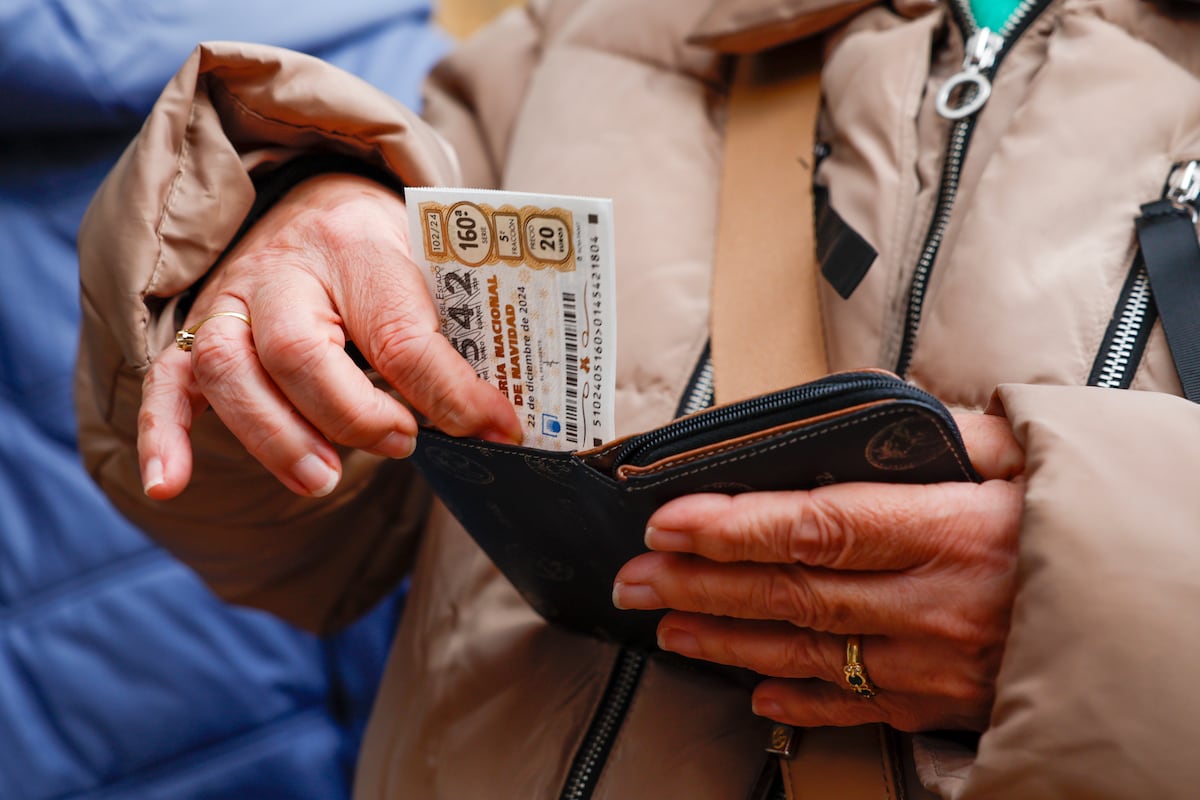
(766, 318)
(767, 334)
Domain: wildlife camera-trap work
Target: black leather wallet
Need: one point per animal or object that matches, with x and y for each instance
(560, 525)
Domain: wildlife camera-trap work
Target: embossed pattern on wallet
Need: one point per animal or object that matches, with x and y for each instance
(560, 525)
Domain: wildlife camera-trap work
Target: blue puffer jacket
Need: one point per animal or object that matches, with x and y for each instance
(120, 675)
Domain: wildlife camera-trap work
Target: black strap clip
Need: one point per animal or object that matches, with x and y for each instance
(1171, 249)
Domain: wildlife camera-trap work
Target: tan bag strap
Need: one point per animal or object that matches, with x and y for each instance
(767, 332)
(766, 317)
(858, 763)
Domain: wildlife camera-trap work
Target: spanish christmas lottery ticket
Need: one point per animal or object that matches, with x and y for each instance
(525, 290)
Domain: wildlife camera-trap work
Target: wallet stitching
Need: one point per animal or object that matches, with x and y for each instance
(487, 451)
(751, 440)
(795, 440)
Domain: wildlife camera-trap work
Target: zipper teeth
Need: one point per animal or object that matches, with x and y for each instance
(769, 403)
(700, 396)
(970, 25)
(1133, 317)
(951, 171)
(586, 769)
(966, 18)
(1017, 17)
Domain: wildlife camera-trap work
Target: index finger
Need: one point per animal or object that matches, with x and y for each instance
(397, 331)
(349, 232)
(852, 526)
(440, 384)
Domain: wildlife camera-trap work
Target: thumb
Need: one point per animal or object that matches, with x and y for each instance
(993, 449)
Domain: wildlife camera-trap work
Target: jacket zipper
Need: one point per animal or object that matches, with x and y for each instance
(1125, 341)
(1183, 188)
(627, 670)
(701, 388)
(610, 714)
(984, 50)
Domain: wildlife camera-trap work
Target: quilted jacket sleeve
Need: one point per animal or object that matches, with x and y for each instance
(162, 218)
(1104, 620)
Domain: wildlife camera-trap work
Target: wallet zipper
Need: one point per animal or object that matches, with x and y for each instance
(984, 50)
(779, 401)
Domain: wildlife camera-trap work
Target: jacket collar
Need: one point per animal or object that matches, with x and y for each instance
(748, 26)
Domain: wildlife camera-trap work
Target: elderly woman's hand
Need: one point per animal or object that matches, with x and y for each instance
(777, 581)
(329, 262)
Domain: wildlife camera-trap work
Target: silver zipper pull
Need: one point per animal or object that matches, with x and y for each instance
(981, 51)
(1183, 188)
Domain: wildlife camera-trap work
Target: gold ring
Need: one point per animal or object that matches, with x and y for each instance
(856, 672)
(186, 336)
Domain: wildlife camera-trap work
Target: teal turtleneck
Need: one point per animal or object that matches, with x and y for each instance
(993, 13)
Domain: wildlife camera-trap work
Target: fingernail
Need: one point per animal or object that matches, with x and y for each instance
(152, 474)
(633, 595)
(315, 475)
(673, 541)
(766, 707)
(397, 445)
(678, 641)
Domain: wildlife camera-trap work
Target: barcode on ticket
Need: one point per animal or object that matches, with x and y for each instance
(571, 342)
(524, 289)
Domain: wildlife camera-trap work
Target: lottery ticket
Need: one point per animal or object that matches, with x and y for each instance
(524, 286)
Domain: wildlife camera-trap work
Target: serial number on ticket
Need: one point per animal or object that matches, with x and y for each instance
(524, 286)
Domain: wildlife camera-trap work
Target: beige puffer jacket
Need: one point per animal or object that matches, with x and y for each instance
(1092, 106)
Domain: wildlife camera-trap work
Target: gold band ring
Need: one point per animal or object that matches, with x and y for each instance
(186, 336)
(856, 672)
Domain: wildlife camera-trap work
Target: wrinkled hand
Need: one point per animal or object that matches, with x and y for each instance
(329, 261)
(775, 581)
